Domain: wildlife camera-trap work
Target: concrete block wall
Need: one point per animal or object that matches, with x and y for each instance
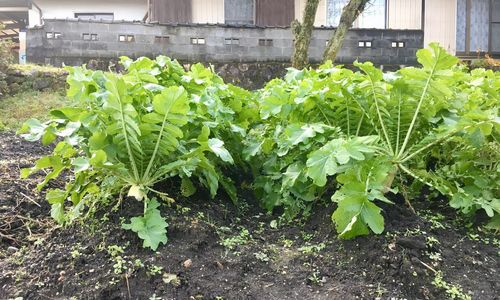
(176, 41)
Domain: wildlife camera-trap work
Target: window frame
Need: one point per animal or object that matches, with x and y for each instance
(355, 24)
(127, 38)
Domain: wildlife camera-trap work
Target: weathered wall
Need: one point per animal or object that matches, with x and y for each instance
(19, 78)
(239, 12)
(245, 43)
(62, 9)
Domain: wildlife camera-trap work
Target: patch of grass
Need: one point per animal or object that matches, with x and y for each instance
(14, 110)
(27, 68)
(311, 249)
(232, 242)
(454, 291)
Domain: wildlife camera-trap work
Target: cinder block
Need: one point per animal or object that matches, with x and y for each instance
(215, 48)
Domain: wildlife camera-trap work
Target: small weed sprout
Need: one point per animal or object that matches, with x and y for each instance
(262, 256)
(380, 291)
(242, 238)
(312, 249)
(307, 236)
(454, 291)
(75, 253)
(316, 279)
(154, 270)
(431, 241)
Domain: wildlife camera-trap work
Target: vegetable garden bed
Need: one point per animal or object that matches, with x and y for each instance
(411, 156)
(301, 261)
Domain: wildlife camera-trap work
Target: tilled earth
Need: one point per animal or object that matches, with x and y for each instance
(216, 251)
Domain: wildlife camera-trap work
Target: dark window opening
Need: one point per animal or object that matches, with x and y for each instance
(274, 12)
(232, 41)
(162, 39)
(265, 42)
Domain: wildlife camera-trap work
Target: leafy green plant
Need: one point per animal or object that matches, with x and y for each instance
(242, 238)
(360, 135)
(6, 58)
(151, 227)
(354, 136)
(454, 291)
(127, 132)
(312, 248)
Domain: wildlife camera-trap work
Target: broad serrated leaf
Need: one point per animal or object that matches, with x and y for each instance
(355, 214)
(301, 134)
(325, 161)
(320, 164)
(252, 149)
(273, 103)
(152, 227)
(172, 100)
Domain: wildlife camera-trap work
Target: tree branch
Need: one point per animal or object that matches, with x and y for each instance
(302, 33)
(349, 14)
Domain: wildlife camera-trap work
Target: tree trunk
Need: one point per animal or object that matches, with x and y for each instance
(349, 14)
(302, 34)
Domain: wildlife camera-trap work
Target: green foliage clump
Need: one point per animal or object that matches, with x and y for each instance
(127, 132)
(352, 136)
(359, 135)
(6, 58)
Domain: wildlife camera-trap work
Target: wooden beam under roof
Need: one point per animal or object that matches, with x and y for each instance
(13, 26)
(8, 36)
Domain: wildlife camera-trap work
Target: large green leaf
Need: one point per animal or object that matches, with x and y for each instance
(217, 147)
(151, 227)
(354, 215)
(436, 58)
(273, 102)
(326, 160)
(172, 100)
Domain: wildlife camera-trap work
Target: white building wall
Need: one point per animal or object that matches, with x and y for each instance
(440, 23)
(208, 11)
(130, 10)
(320, 19)
(404, 14)
(34, 17)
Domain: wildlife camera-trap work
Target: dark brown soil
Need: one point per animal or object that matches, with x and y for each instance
(39, 260)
